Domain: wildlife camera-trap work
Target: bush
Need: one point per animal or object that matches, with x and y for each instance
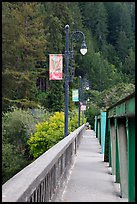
(73, 120)
(47, 134)
(12, 161)
(40, 114)
(116, 93)
(91, 113)
(17, 126)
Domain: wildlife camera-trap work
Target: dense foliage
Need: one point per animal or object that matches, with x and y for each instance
(47, 134)
(12, 161)
(50, 132)
(26, 134)
(30, 33)
(17, 126)
(32, 106)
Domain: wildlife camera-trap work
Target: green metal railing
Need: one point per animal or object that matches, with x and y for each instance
(119, 147)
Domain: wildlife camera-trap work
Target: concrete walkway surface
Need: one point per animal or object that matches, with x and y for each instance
(90, 178)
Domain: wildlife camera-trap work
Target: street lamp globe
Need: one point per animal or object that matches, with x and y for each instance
(83, 49)
(87, 88)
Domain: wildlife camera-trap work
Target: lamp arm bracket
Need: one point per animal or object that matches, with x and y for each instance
(78, 32)
(74, 35)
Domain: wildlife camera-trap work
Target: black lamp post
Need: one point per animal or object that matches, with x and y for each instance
(83, 51)
(80, 100)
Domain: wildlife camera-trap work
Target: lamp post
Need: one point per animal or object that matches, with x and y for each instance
(83, 51)
(80, 100)
(66, 80)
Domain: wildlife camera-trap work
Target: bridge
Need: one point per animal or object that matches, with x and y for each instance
(88, 165)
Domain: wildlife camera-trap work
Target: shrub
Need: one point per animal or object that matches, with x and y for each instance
(40, 114)
(73, 120)
(47, 134)
(17, 125)
(116, 93)
(91, 112)
(12, 161)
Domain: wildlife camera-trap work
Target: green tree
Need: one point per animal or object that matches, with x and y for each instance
(30, 33)
(23, 35)
(23, 43)
(115, 93)
(55, 96)
(91, 112)
(129, 66)
(122, 46)
(96, 18)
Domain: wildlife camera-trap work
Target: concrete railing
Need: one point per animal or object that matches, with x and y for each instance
(42, 180)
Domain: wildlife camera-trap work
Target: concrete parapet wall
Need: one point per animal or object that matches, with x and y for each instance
(41, 180)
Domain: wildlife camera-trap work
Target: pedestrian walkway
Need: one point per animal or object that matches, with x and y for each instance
(90, 178)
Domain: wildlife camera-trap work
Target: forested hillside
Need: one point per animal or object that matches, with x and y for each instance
(33, 30)
(33, 105)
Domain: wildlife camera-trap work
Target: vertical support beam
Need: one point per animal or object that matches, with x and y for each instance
(113, 145)
(79, 107)
(107, 140)
(117, 170)
(110, 156)
(95, 123)
(109, 144)
(99, 131)
(97, 128)
(103, 130)
(122, 147)
(131, 158)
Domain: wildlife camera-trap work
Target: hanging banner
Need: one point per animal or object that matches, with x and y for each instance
(55, 66)
(83, 107)
(75, 97)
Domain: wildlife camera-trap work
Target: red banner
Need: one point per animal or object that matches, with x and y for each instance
(55, 68)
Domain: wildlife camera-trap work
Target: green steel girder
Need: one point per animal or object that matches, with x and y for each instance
(124, 107)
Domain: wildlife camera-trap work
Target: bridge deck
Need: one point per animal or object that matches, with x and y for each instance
(90, 179)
